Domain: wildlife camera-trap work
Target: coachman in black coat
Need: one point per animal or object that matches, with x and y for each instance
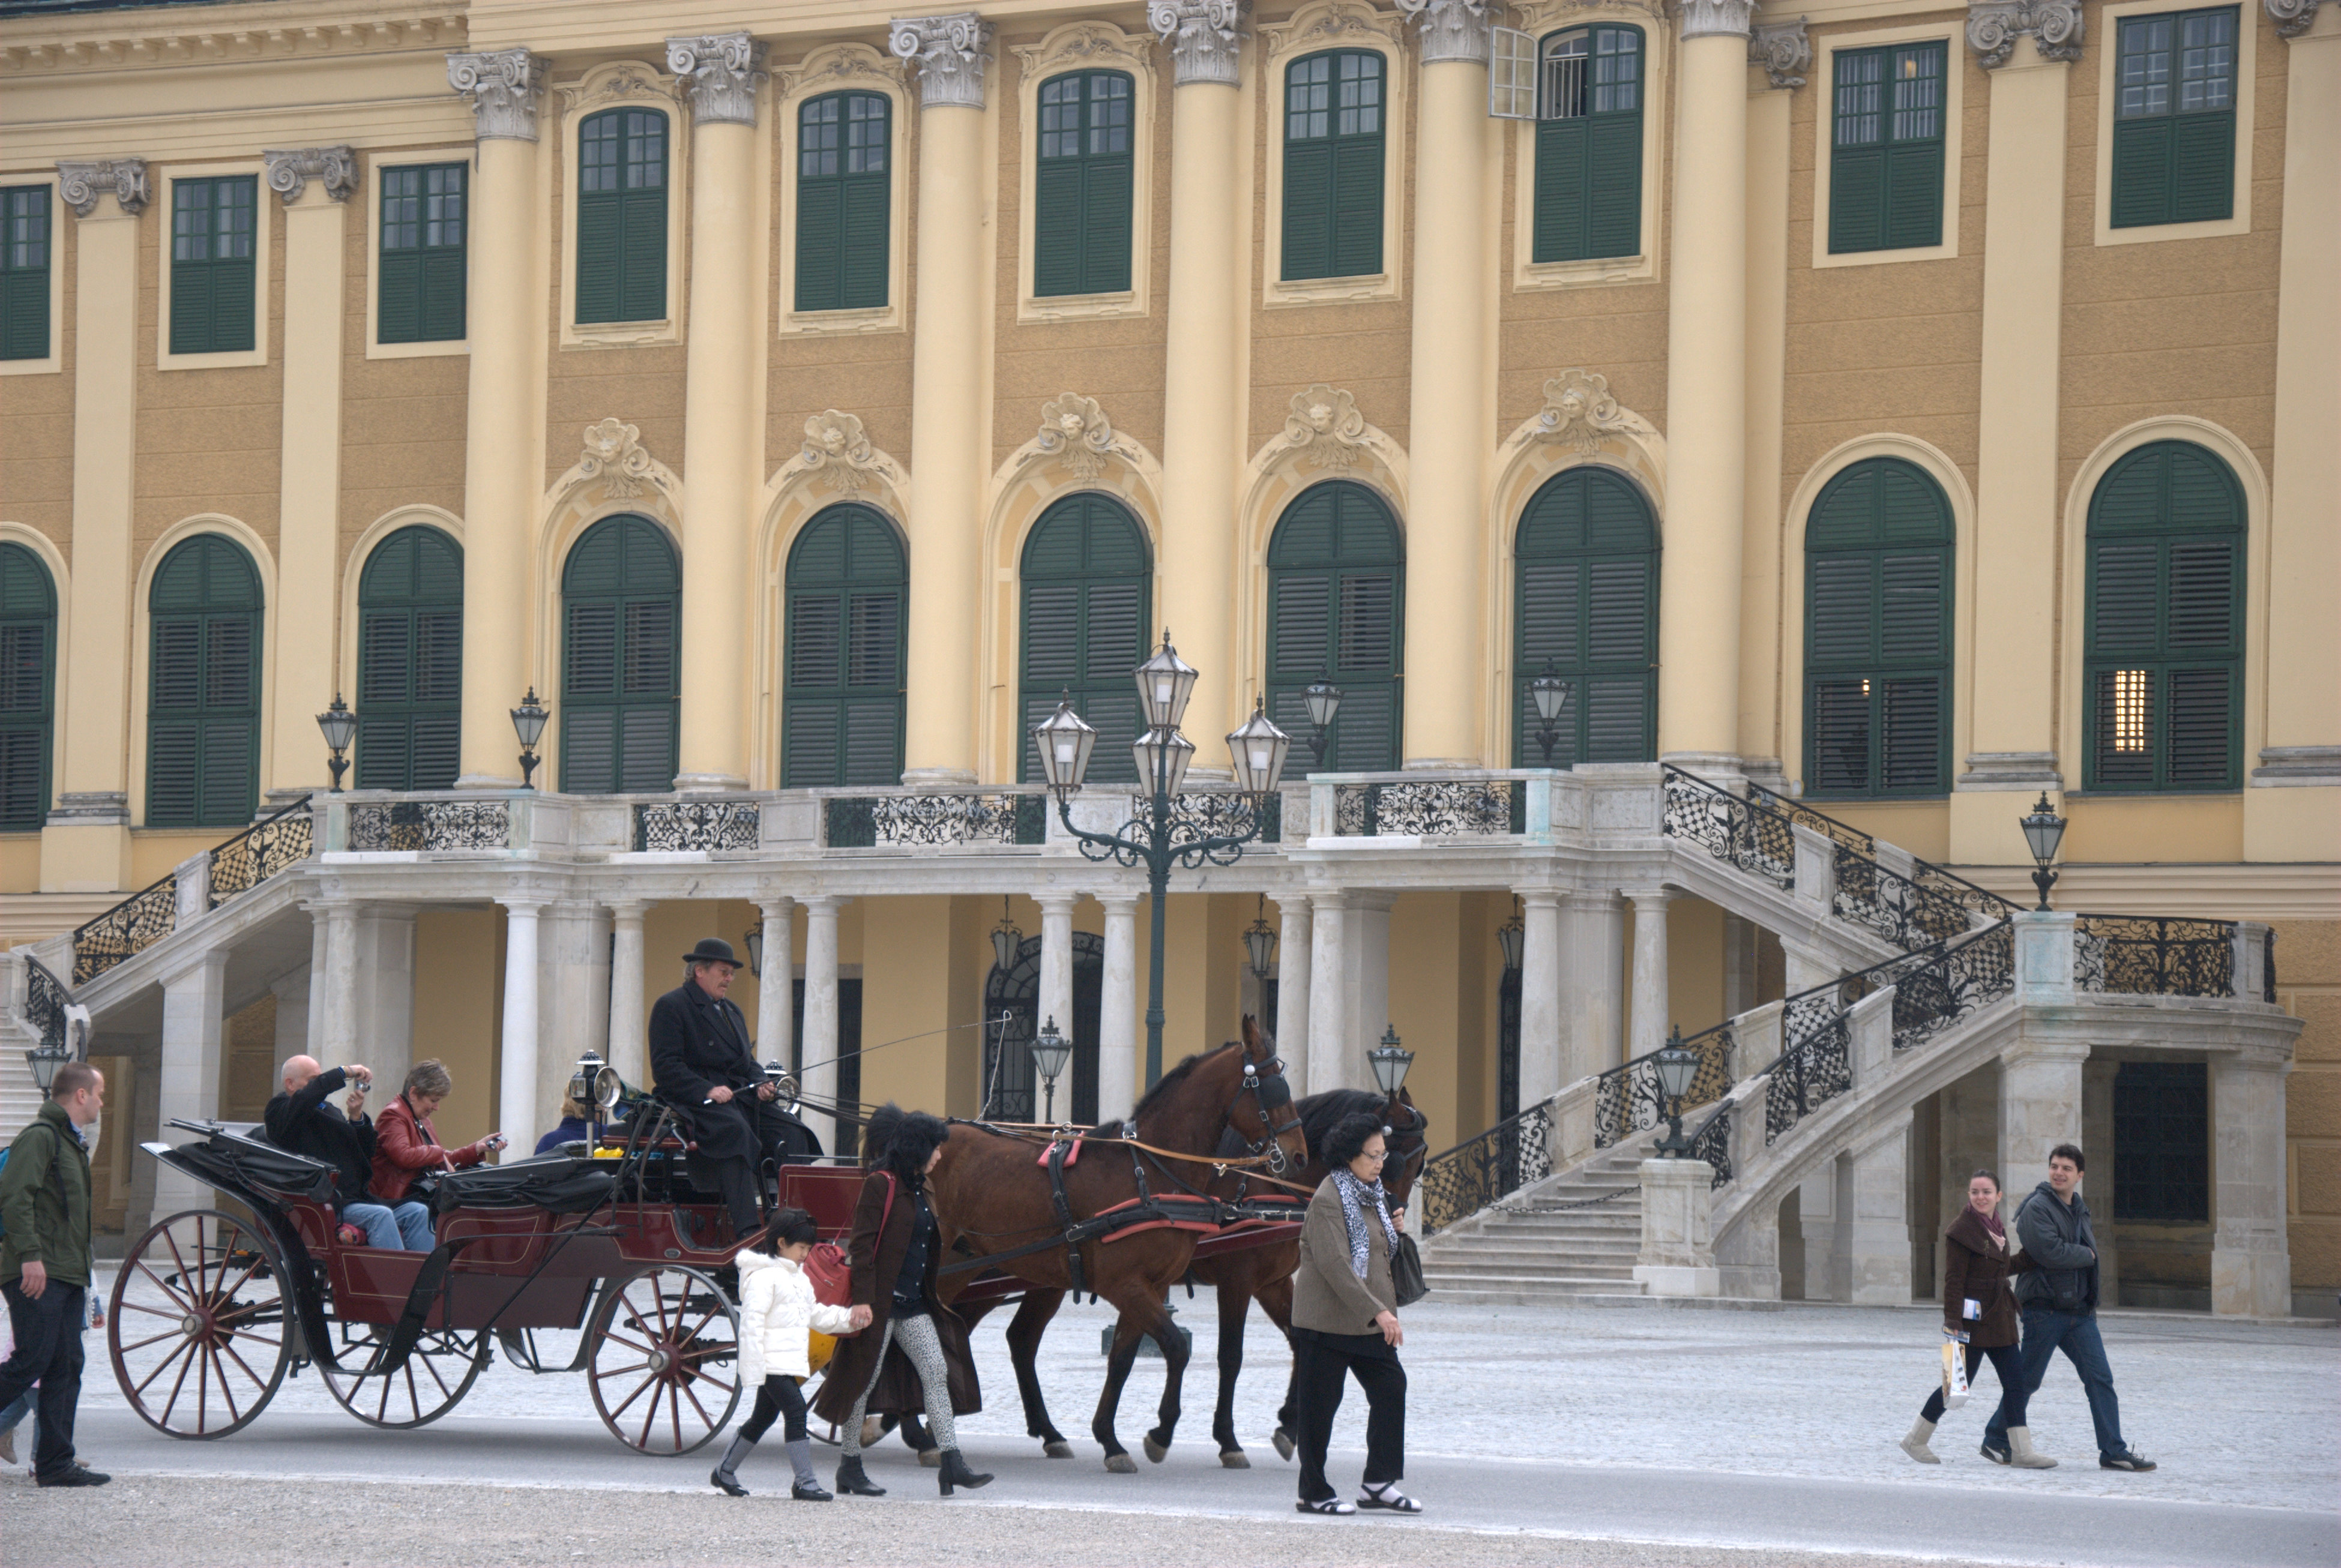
(699, 1043)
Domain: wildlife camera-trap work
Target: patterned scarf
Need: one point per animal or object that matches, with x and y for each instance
(1352, 1191)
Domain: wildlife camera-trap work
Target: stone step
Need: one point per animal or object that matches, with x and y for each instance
(1500, 1246)
(1558, 1269)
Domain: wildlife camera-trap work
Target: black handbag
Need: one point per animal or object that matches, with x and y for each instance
(1406, 1271)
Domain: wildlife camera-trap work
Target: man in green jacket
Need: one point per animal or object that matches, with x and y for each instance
(44, 1265)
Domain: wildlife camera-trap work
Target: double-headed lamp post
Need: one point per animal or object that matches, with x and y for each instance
(1157, 838)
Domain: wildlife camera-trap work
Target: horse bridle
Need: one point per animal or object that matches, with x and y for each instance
(1266, 1084)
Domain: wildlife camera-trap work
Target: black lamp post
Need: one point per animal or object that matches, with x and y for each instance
(2043, 831)
(1323, 700)
(528, 723)
(1511, 936)
(1551, 694)
(1260, 941)
(339, 727)
(1676, 1063)
(1051, 1051)
(1389, 1062)
(1155, 838)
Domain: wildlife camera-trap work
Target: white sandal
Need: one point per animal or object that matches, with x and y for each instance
(1391, 1500)
(1325, 1505)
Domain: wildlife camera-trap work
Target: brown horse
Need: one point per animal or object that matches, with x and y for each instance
(993, 1197)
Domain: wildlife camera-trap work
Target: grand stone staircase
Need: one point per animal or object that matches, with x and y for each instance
(1573, 1240)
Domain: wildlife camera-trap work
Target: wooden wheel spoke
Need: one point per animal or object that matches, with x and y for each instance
(185, 1344)
(675, 1416)
(414, 1394)
(649, 1415)
(637, 1393)
(173, 1243)
(692, 1335)
(689, 1393)
(229, 1351)
(185, 1305)
(225, 1392)
(657, 1300)
(433, 1368)
(228, 1293)
(616, 1338)
(155, 1311)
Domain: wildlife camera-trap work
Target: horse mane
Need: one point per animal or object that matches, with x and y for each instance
(1164, 1086)
(1319, 1114)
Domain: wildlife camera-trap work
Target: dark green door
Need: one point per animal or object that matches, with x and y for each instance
(620, 695)
(411, 662)
(1337, 609)
(1586, 604)
(203, 709)
(1087, 581)
(841, 676)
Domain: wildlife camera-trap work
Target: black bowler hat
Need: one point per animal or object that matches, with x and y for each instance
(712, 950)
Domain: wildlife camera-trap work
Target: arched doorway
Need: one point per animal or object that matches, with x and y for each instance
(1007, 1055)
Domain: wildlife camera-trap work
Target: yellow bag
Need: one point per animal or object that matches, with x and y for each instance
(819, 1349)
(1954, 1373)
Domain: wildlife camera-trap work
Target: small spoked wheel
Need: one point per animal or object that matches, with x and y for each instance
(200, 1325)
(436, 1375)
(664, 1362)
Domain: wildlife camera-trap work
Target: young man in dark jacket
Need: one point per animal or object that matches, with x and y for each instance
(2059, 1298)
(44, 1265)
(304, 1119)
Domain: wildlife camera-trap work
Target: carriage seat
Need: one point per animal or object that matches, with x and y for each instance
(667, 1145)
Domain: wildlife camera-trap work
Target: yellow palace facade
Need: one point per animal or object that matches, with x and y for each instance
(1895, 413)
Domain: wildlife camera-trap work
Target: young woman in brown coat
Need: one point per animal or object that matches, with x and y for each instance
(1978, 1256)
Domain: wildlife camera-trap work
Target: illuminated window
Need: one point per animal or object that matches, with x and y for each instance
(2129, 696)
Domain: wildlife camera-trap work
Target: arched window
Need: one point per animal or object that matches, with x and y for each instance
(1014, 1091)
(411, 662)
(1337, 609)
(1588, 150)
(28, 680)
(1088, 579)
(1878, 634)
(619, 694)
(2163, 658)
(844, 205)
(1586, 607)
(1335, 112)
(203, 700)
(1082, 185)
(622, 217)
(841, 677)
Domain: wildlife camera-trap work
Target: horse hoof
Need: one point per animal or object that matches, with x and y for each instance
(1234, 1459)
(1284, 1443)
(1120, 1465)
(873, 1429)
(1155, 1451)
(1057, 1449)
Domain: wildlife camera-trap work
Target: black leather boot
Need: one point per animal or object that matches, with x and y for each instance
(727, 1475)
(955, 1472)
(853, 1481)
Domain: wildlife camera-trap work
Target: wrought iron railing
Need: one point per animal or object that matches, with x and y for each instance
(1431, 807)
(1908, 911)
(1846, 834)
(414, 826)
(1712, 1142)
(1733, 830)
(674, 825)
(1626, 1098)
(1953, 984)
(1516, 1152)
(275, 843)
(2125, 955)
(890, 821)
(127, 930)
(45, 999)
(1199, 814)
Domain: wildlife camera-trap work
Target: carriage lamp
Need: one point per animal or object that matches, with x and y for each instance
(754, 942)
(1051, 1051)
(1259, 749)
(1162, 756)
(784, 1085)
(1064, 742)
(339, 727)
(1323, 700)
(1390, 1061)
(1260, 941)
(1007, 940)
(1164, 683)
(1676, 1063)
(1511, 936)
(2043, 831)
(1551, 694)
(528, 723)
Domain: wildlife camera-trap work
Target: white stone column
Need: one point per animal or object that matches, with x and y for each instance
(819, 1075)
(1330, 1023)
(381, 995)
(1056, 998)
(1295, 957)
(1118, 1010)
(292, 995)
(1677, 1255)
(194, 1028)
(2039, 1108)
(2251, 1255)
(776, 986)
(1593, 974)
(628, 1015)
(573, 952)
(2098, 1075)
(334, 1005)
(1543, 1069)
(1786, 53)
(1877, 1240)
(1651, 1006)
(518, 1115)
(1366, 948)
(315, 185)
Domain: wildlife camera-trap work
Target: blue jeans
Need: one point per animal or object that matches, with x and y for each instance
(408, 1226)
(2075, 1333)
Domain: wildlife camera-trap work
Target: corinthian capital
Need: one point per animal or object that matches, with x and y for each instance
(81, 184)
(1719, 18)
(289, 172)
(1201, 37)
(1784, 51)
(947, 54)
(718, 71)
(1993, 27)
(505, 89)
(2292, 17)
(1452, 29)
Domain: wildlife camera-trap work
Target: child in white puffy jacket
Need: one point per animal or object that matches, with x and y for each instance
(778, 1315)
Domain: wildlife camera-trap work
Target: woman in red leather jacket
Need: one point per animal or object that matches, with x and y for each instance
(405, 1148)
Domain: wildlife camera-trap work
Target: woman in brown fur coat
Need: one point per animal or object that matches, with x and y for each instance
(1978, 1256)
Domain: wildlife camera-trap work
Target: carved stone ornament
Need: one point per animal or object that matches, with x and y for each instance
(1202, 37)
(836, 65)
(719, 75)
(1784, 51)
(1072, 427)
(834, 443)
(506, 88)
(1579, 411)
(1721, 18)
(1338, 20)
(2292, 17)
(1452, 29)
(1325, 427)
(81, 184)
(615, 455)
(1993, 27)
(948, 53)
(289, 172)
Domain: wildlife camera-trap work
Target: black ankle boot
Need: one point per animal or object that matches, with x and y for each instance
(727, 1475)
(853, 1481)
(955, 1472)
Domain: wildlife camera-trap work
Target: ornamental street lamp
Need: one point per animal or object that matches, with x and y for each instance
(2043, 831)
(1260, 941)
(1389, 1062)
(339, 727)
(1157, 837)
(1323, 700)
(1551, 694)
(528, 723)
(1007, 940)
(755, 943)
(1676, 1063)
(1511, 936)
(46, 1059)
(1050, 1052)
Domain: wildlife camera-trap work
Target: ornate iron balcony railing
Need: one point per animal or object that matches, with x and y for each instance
(1431, 807)
(2125, 955)
(1626, 1098)
(275, 843)
(127, 930)
(915, 821)
(414, 826)
(1515, 1153)
(706, 826)
(1735, 831)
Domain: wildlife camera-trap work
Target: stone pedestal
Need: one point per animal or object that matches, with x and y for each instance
(194, 1030)
(1821, 1199)
(2251, 1261)
(1677, 1255)
(1877, 1238)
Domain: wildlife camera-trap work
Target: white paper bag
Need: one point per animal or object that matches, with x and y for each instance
(1955, 1374)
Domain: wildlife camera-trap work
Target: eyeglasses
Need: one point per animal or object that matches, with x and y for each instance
(1375, 1156)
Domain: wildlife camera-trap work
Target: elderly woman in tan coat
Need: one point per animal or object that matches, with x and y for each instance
(1345, 1321)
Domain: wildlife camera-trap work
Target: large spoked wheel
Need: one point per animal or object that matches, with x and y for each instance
(665, 1361)
(200, 1326)
(438, 1374)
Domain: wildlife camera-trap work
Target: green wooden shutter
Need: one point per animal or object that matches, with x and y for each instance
(25, 253)
(1337, 609)
(2174, 118)
(1589, 157)
(622, 593)
(421, 282)
(1585, 605)
(1878, 634)
(843, 204)
(1886, 151)
(29, 643)
(411, 662)
(214, 278)
(1335, 115)
(1082, 185)
(202, 758)
(1087, 575)
(622, 217)
(842, 673)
